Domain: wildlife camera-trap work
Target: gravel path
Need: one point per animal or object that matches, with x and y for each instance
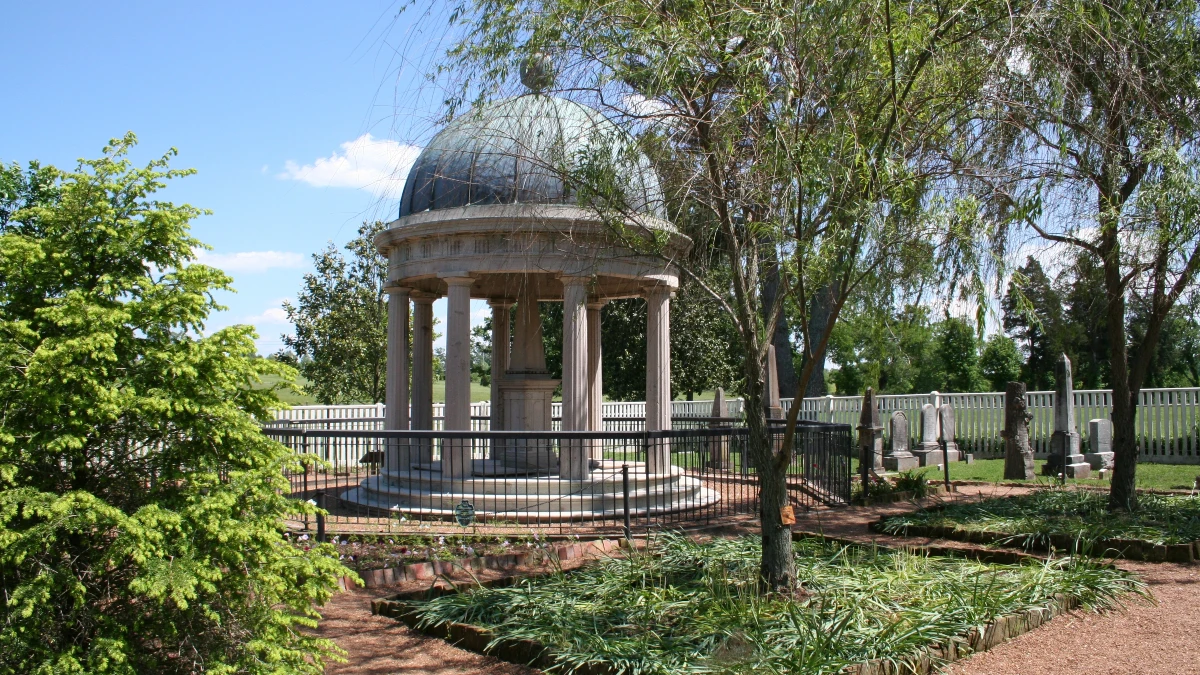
(1145, 638)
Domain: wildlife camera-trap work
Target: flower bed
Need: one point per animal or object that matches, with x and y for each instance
(1164, 528)
(684, 606)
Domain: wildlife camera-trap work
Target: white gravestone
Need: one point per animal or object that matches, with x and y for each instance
(1100, 443)
(899, 457)
(946, 418)
(929, 452)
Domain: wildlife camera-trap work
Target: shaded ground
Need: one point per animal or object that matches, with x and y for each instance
(1161, 638)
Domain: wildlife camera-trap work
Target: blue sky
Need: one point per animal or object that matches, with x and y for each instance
(301, 118)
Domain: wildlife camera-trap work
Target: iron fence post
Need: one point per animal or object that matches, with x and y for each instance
(946, 463)
(320, 499)
(625, 499)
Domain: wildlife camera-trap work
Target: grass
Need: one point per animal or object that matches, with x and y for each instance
(684, 606)
(1149, 476)
(1079, 514)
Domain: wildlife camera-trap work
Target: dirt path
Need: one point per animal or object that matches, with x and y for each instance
(1152, 638)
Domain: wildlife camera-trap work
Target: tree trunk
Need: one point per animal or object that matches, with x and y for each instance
(1018, 454)
(777, 568)
(1123, 494)
(820, 309)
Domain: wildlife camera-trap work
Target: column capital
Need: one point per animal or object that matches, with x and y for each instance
(658, 290)
(597, 303)
(457, 279)
(575, 279)
(396, 289)
(501, 303)
(423, 297)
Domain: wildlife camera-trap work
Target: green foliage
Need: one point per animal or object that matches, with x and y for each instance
(1000, 362)
(340, 322)
(1080, 514)
(915, 481)
(684, 606)
(141, 510)
(957, 350)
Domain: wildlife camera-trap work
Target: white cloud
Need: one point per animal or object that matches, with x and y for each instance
(272, 315)
(644, 107)
(377, 165)
(250, 261)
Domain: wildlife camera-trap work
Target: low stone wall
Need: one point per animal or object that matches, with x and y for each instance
(423, 571)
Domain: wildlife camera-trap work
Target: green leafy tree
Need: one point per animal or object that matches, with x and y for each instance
(1093, 120)
(1000, 362)
(481, 352)
(340, 323)
(790, 133)
(141, 508)
(1033, 316)
(957, 351)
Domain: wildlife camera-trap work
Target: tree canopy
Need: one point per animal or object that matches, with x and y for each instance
(141, 509)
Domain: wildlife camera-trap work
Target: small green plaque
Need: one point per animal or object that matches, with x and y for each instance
(464, 513)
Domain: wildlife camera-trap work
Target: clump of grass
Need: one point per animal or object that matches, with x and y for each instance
(913, 481)
(1080, 514)
(684, 606)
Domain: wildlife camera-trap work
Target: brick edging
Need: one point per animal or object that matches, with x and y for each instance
(1126, 549)
(424, 571)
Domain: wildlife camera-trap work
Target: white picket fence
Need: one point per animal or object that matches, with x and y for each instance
(1168, 420)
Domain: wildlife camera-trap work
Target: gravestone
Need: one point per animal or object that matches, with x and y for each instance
(899, 457)
(929, 452)
(1100, 444)
(1064, 442)
(870, 432)
(946, 418)
(773, 405)
(1018, 453)
(718, 457)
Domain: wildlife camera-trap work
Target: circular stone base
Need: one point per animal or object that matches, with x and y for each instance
(424, 492)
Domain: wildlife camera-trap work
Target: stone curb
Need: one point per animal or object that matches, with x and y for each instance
(1126, 549)
(534, 654)
(425, 571)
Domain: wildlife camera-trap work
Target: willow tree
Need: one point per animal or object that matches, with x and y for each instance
(1092, 128)
(800, 133)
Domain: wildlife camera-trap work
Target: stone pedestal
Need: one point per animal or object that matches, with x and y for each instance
(1077, 466)
(1100, 444)
(527, 400)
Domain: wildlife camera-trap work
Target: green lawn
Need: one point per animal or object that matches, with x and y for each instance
(1149, 476)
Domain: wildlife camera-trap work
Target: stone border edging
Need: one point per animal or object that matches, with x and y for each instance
(1126, 549)
(532, 653)
(424, 571)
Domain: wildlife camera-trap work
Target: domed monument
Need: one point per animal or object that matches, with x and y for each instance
(486, 214)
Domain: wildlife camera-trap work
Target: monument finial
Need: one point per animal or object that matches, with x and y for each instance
(537, 72)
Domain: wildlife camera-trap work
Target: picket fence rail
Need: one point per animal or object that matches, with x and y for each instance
(1167, 424)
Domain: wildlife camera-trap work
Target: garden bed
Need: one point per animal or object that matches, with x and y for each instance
(684, 606)
(1163, 529)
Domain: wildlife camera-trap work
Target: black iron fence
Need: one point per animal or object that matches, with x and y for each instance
(373, 481)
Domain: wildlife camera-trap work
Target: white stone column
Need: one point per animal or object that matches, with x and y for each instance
(422, 362)
(398, 457)
(595, 367)
(658, 374)
(396, 394)
(500, 340)
(574, 457)
(456, 455)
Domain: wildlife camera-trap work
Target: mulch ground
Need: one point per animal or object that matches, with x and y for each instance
(1160, 637)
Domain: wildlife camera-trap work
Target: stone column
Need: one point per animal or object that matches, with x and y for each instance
(456, 455)
(658, 375)
(574, 456)
(422, 362)
(595, 367)
(500, 340)
(396, 392)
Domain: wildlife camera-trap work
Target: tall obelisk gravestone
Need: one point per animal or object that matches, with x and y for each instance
(870, 433)
(1064, 443)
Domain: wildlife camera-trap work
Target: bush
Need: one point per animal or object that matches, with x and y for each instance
(141, 510)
